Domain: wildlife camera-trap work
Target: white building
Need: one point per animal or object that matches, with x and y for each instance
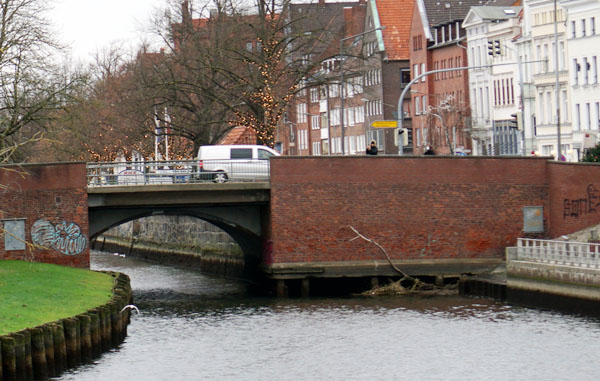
(539, 34)
(583, 40)
(495, 91)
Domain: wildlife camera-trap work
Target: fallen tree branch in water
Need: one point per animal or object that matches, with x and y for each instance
(413, 285)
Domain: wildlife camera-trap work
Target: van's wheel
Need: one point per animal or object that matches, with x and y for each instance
(220, 177)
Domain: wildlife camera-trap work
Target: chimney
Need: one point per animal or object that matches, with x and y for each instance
(321, 2)
(186, 17)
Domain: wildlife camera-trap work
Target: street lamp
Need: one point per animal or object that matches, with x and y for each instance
(342, 77)
(558, 143)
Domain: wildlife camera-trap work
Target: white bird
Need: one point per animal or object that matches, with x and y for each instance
(131, 307)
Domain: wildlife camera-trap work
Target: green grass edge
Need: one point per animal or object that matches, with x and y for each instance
(33, 294)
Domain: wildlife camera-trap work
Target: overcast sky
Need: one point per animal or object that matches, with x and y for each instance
(89, 25)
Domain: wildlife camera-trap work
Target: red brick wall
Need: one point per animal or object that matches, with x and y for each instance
(415, 207)
(46, 195)
(575, 196)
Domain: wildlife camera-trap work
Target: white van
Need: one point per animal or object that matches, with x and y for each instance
(220, 163)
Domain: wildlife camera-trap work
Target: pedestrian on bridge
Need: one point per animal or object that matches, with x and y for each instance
(372, 149)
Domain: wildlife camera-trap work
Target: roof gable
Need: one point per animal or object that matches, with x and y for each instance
(396, 17)
(445, 11)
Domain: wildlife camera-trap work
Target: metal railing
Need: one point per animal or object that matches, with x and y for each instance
(565, 253)
(176, 172)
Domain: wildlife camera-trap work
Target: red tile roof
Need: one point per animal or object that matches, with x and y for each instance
(239, 135)
(396, 16)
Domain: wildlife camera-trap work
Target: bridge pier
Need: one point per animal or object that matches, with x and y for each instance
(281, 289)
(305, 288)
(374, 282)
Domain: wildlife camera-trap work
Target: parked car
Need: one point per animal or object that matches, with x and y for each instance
(221, 163)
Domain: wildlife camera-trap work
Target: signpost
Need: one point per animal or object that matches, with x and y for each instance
(385, 124)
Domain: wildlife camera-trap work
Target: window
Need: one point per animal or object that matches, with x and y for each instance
(316, 148)
(249, 46)
(301, 113)
(417, 105)
(352, 148)
(302, 139)
(422, 71)
(588, 115)
(583, 28)
(334, 91)
(404, 76)
(415, 71)
(314, 95)
(592, 25)
(575, 72)
(541, 107)
(573, 29)
(335, 117)
(549, 106)
(594, 70)
(424, 102)
(577, 125)
(586, 67)
(546, 57)
(565, 113)
(597, 122)
(263, 154)
(241, 153)
(315, 121)
(14, 234)
(512, 92)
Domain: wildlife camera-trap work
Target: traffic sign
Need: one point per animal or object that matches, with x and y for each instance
(384, 124)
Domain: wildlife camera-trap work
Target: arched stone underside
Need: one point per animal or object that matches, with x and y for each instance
(243, 223)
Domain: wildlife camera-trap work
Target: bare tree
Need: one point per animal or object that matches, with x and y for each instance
(231, 66)
(447, 124)
(32, 88)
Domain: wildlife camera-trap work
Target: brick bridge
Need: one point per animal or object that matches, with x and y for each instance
(433, 215)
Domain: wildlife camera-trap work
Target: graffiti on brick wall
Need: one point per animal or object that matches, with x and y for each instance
(582, 206)
(66, 238)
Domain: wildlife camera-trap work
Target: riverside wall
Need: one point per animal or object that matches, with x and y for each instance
(48, 350)
(176, 240)
(44, 207)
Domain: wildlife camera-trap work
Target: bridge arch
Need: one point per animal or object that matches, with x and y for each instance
(241, 210)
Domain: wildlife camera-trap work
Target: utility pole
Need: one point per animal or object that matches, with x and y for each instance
(558, 143)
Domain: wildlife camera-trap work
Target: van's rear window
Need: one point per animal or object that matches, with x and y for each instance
(241, 153)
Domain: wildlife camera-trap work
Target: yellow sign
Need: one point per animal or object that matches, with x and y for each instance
(384, 124)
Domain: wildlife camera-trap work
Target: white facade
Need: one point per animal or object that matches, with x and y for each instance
(583, 37)
(495, 91)
(539, 28)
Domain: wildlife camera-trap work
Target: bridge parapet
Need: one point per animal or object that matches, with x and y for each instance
(136, 173)
(554, 252)
(565, 268)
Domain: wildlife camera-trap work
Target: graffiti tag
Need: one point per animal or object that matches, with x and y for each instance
(66, 238)
(582, 206)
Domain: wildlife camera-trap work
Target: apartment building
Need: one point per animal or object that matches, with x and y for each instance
(496, 82)
(583, 54)
(440, 106)
(358, 82)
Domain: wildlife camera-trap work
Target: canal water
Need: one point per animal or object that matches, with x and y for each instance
(198, 327)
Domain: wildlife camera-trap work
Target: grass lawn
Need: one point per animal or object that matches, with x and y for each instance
(33, 294)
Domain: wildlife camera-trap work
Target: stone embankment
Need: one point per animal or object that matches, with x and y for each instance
(47, 351)
(176, 240)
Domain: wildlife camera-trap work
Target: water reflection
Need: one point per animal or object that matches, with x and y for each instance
(194, 326)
